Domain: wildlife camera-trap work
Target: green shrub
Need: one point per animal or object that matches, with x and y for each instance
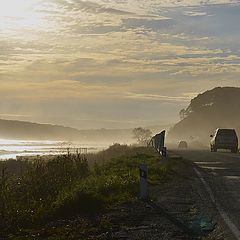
(66, 186)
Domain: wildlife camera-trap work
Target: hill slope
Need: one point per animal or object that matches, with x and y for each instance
(11, 129)
(217, 108)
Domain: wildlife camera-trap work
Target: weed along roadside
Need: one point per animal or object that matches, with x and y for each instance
(158, 145)
(144, 193)
(97, 197)
(50, 194)
(197, 225)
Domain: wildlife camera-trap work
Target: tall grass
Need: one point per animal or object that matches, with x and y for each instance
(68, 185)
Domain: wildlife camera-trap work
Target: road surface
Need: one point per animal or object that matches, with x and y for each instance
(221, 173)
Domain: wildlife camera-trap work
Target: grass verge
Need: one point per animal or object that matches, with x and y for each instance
(74, 185)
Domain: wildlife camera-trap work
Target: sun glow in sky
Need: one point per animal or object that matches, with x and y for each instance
(99, 63)
(15, 8)
(19, 15)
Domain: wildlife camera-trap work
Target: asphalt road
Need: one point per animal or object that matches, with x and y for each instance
(221, 171)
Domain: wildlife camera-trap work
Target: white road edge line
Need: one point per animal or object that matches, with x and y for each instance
(227, 220)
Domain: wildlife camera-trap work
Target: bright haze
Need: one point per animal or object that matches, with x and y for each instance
(111, 63)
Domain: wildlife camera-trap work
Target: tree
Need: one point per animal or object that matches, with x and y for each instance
(183, 114)
(142, 135)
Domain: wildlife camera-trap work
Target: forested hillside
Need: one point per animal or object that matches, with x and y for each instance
(216, 108)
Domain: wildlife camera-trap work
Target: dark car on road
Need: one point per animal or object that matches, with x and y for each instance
(224, 139)
(182, 145)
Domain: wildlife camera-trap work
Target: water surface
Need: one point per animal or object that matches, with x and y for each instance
(14, 148)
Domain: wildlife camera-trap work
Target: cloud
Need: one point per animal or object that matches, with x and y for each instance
(156, 97)
(102, 52)
(195, 14)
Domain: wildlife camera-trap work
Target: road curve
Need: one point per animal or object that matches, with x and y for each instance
(221, 171)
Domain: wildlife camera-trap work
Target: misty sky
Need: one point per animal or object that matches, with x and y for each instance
(113, 63)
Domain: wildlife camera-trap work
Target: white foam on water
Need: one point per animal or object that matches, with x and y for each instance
(11, 149)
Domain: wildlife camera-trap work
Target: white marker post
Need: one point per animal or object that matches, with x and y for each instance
(143, 181)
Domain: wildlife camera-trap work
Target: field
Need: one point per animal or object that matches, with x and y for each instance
(37, 193)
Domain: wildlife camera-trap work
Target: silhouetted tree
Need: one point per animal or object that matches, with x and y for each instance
(142, 135)
(183, 114)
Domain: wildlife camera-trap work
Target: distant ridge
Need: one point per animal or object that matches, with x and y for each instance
(14, 129)
(216, 108)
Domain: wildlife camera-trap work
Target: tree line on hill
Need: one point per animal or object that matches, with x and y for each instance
(216, 108)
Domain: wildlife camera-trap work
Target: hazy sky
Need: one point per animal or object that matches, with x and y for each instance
(113, 63)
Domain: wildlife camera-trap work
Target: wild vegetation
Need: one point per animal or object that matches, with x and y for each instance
(72, 185)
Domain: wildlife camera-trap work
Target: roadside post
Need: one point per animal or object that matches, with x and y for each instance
(143, 169)
(164, 152)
